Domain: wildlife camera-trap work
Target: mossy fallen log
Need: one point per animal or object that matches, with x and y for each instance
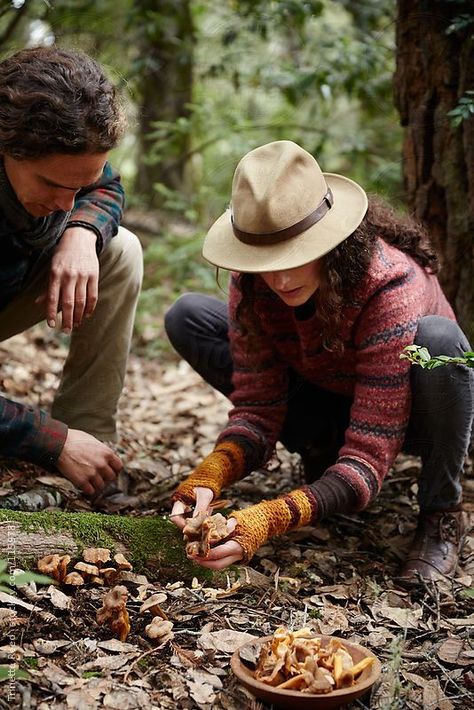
(153, 544)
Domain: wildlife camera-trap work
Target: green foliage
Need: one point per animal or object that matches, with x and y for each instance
(421, 356)
(173, 265)
(394, 699)
(30, 662)
(318, 72)
(461, 23)
(315, 71)
(8, 580)
(298, 70)
(12, 673)
(464, 109)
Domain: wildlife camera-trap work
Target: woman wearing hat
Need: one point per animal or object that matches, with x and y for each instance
(326, 292)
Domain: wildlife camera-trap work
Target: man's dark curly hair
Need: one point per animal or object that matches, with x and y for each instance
(53, 101)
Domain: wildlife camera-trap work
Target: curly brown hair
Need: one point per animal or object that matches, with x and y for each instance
(54, 100)
(344, 267)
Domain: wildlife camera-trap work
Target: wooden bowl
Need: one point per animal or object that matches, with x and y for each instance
(295, 699)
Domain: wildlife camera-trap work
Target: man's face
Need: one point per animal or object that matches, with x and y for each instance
(46, 185)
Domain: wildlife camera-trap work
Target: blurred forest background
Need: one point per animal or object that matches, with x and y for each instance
(379, 90)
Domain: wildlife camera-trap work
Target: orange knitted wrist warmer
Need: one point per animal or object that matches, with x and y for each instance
(222, 467)
(257, 524)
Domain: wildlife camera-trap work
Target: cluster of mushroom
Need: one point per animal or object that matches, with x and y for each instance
(300, 661)
(160, 629)
(90, 570)
(93, 570)
(203, 531)
(114, 613)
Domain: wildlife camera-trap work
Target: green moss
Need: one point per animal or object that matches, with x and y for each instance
(154, 542)
(91, 674)
(30, 662)
(145, 663)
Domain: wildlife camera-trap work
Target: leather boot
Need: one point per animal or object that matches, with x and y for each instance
(436, 547)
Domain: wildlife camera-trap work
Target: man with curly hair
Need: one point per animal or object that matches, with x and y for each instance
(63, 251)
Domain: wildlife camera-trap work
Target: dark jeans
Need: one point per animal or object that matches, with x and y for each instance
(440, 424)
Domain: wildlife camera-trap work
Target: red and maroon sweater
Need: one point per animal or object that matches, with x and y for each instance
(379, 322)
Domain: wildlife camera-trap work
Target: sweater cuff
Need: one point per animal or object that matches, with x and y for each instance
(45, 442)
(257, 524)
(334, 495)
(222, 467)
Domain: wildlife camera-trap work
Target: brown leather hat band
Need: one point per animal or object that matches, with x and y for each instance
(264, 238)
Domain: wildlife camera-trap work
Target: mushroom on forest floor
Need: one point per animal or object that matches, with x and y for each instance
(55, 566)
(114, 611)
(152, 604)
(160, 630)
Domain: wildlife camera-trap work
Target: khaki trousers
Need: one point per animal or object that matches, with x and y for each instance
(94, 370)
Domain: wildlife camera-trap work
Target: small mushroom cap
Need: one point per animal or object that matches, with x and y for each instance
(153, 601)
(54, 565)
(73, 578)
(158, 628)
(64, 560)
(48, 562)
(116, 596)
(87, 569)
(115, 612)
(109, 574)
(122, 562)
(96, 555)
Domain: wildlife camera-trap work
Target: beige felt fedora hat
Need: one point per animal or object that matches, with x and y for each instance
(285, 212)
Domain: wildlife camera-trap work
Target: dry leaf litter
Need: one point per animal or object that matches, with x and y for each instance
(158, 644)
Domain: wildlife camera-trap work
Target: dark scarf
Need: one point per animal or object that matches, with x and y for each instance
(25, 241)
(18, 227)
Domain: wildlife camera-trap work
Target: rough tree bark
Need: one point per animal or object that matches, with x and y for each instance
(434, 70)
(165, 83)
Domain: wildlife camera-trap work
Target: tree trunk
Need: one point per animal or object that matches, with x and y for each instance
(165, 83)
(434, 70)
(150, 543)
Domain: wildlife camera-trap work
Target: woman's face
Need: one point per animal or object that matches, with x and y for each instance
(295, 286)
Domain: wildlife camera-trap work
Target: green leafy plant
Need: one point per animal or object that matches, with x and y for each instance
(422, 357)
(13, 673)
(464, 109)
(7, 580)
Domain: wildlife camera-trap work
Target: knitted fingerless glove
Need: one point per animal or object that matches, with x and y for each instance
(222, 467)
(257, 524)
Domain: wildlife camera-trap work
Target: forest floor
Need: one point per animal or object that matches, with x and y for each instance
(337, 578)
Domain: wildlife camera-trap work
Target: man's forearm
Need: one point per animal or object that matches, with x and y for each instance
(30, 434)
(99, 207)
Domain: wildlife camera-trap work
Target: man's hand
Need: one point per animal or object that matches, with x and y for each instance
(87, 462)
(73, 279)
(204, 498)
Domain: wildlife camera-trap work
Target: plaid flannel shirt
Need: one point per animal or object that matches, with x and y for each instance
(27, 432)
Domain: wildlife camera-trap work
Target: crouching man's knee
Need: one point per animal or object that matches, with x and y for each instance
(122, 262)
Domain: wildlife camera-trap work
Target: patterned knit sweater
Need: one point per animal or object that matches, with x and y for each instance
(380, 321)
